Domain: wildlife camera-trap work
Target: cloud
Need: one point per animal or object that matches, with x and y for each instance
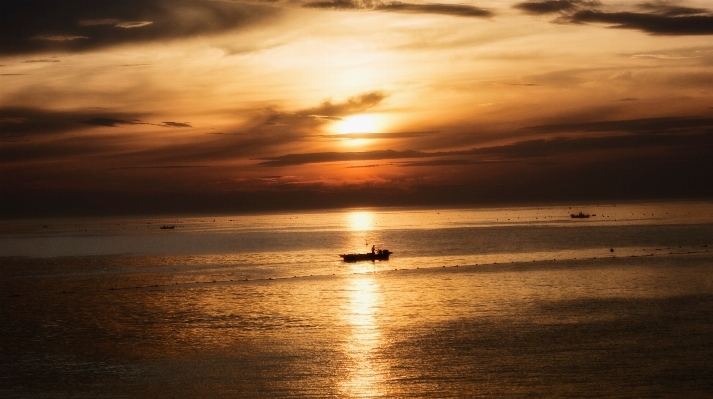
(352, 105)
(133, 24)
(690, 132)
(42, 60)
(176, 124)
(632, 126)
(265, 131)
(653, 18)
(376, 165)
(671, 11)
(35, 121)
(94, 22)
(321, 157)
(438, 162)
(389, 135)
(460, 10)
(21, 121)
(58, 38)
(339, 5)
(552, 6)
(660, 56)
(657, 24)
(110, 122)
(102, 166)
(33, 26)
(116, 23)
(164, 167)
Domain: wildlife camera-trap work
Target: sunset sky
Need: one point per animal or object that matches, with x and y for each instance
(162, 106)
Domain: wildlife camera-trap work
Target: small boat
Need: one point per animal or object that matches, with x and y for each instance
(382, 254)
(164, 227)
(580, 215)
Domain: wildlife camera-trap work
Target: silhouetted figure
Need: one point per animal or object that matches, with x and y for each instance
(373, 249)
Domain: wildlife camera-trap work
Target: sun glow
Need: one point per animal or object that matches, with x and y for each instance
(357, 124)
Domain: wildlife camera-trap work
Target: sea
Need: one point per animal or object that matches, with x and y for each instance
(509, 302)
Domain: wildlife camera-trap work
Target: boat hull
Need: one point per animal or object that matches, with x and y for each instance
(366, 257)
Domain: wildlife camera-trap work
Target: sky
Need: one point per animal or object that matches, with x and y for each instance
(197, 106)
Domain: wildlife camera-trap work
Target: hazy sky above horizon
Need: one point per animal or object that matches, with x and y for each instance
(214, 98)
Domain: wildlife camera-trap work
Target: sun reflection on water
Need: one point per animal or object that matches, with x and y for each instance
(360, 221)
(364, 377)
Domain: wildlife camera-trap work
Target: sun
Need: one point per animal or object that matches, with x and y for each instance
(356, 124)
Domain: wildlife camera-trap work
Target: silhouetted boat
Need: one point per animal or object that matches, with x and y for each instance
(164, 227)
(382, 254)
(580, 215)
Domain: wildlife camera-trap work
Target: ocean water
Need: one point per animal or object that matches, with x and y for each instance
(492, 302)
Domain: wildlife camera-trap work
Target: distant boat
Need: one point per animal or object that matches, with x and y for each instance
(580, 215)
(382, 254)
(164, 227)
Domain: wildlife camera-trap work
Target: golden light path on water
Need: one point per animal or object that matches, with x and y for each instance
(364, 379)
(360, 223)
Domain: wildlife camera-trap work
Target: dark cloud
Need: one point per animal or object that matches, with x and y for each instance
(671, 11)
(363, 166)
(564, 146)
(658, 24)
(110, 122)
(647, 125)
(35, 121)
(460, 10)
(21, 121)
(265, 131)
(320, 157)
(671, 164)
(691, 133)
(23, 153)
(175, 124)
(163, 167)
(338, 5)
(439, 162)
(352, 105)
(42, 60)
(551, 6)
(30, 26)
(654, 18)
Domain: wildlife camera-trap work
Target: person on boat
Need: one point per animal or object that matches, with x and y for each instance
(373, 249)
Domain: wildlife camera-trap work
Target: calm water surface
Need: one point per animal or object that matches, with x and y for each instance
(516, 302)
